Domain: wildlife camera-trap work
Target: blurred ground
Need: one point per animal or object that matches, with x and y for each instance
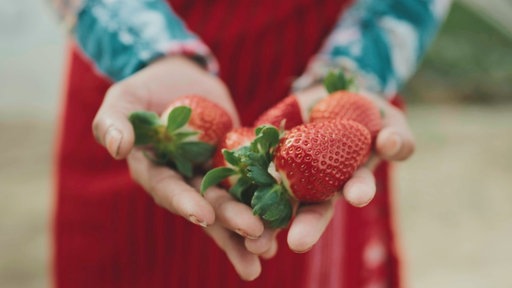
(455, 197)
(25, 181)
(455, 194)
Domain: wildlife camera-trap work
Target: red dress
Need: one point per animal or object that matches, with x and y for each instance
(109, 233)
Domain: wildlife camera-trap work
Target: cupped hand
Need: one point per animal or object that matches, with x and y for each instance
(151, 89)
(230, 223)
(253, 241)
(239, 233)
(394, 142)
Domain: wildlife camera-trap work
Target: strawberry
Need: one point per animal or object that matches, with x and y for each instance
(185, 135)
(287, 110)
(209, 119)
(312, 162)
(346, 105)
(316, 159)
(232, 141)
(244, 171)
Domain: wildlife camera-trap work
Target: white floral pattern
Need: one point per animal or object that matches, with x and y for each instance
(379, 42)
(123, 36)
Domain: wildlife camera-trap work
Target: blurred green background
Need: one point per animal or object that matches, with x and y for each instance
(471, 60)
(454, 196)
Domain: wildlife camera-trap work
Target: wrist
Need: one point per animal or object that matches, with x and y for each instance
(183, 62)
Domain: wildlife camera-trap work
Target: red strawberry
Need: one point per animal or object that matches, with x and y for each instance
(316, 159)
(244, 171)
(287, 109)
(346, 105)
(208, 118)
(232, 141)
(313, 162)
(186, 133)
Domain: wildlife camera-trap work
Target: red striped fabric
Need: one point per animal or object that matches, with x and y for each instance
(109, 233)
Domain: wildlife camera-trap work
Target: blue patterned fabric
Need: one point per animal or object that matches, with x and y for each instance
(380, 42)
(123, 36)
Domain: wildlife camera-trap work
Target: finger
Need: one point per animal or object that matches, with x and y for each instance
(272, 251)
(234, 215)
(309, 224)
(263, 243)
(372, 162)
(111, 126)
(246, 264)
(169, 190)
(361, 188)
(395, 141)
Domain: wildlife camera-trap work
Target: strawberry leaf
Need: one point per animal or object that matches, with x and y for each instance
(231, 157)
(240, 187)
(267, 137)
(256, 159)
(178, 117)
(260, 176)
(215, 176)
(196, 152)
(183, 165)
(248, 193)
(337, 82)
(162, 155)
(145, 126)
(183, 135)
(272, 204)
(152, 156)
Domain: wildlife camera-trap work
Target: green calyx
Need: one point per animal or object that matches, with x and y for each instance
(244, 187)
(272, 204)
(170, 144)
(146, 126)
(255, 186)
(338, 81)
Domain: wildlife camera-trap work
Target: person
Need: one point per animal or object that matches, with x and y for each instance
(246, 56)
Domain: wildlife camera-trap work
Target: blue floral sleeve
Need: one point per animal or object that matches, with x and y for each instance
(123, 36)
(379, 42)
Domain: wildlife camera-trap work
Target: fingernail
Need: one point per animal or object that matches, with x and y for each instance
(359, 195)
(245, 234)
(395, 144)
(113, 141)
(196, 221)
(305, 250)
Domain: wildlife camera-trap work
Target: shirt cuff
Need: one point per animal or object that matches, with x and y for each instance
(378, 43)
(122, 37)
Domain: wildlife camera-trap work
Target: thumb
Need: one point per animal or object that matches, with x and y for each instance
(111, 126)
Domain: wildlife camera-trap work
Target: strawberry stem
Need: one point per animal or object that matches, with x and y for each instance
(255, 185)
(338, 81)
(170, 143)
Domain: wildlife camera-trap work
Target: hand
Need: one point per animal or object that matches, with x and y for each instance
(239, 233)
(151, 89)
(394, 143)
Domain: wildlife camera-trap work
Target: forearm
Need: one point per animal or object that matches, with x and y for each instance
(380, 42)
(122, 37)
